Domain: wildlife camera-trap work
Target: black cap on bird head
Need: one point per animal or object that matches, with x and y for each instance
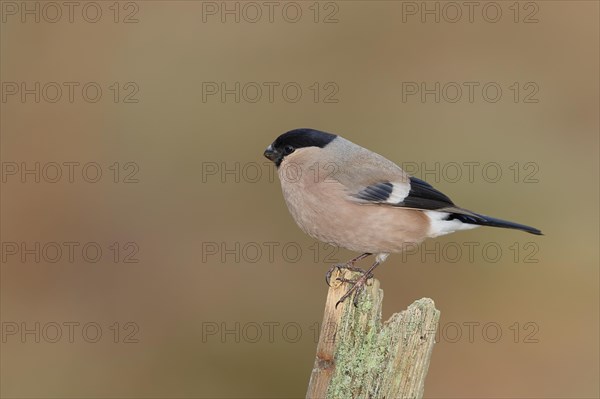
(298, 138)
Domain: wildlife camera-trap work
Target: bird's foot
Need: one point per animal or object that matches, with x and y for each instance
(340, 267)
(358, 286)
(348, 266)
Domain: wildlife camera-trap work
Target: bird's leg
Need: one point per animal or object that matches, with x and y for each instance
(358, 285)
(348, 265)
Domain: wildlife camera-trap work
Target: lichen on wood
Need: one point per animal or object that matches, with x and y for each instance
(358, 356)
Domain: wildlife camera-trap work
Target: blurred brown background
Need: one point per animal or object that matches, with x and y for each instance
(207, 311)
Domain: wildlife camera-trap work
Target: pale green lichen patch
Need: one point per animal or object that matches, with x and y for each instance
(362, 351)
(368, 360)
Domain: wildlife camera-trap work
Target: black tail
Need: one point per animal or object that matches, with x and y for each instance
(483, 220)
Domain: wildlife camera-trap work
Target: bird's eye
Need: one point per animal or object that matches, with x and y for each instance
(288, 149)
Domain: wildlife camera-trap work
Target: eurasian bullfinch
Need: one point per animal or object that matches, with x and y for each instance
(345, 195)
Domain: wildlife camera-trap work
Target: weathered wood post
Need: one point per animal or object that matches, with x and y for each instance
(358, 356)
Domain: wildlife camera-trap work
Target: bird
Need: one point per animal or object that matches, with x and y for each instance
(348, 196)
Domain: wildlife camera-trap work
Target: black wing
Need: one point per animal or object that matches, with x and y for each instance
(379, 192)
(423, 196)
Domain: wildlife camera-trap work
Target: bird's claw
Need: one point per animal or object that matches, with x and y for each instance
(356, 289)
(347, 266)
(329, 273)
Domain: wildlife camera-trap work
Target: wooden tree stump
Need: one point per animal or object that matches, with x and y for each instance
(359, 357)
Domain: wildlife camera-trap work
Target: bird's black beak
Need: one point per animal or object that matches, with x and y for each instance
(271, 154)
